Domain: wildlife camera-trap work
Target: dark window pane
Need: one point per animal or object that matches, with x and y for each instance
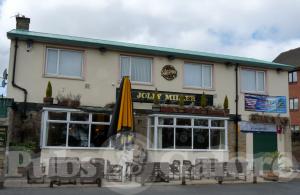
(217, 139)
(78, 135)
(165, 121)
(56, 134)
(201, 122)
(183, 138)
(151, 137)
(57, 115)
(184, 121)
(79, 117)
(98, 136)
(101, 117)
(165, 138)
(201, 139)
(217, 123)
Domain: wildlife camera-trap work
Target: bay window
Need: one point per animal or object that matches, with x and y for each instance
(64, 63)
(253, 81)
(139, 69)
(198, 75)
(187, 132)
(75, 129)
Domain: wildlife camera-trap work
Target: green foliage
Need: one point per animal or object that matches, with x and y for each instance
(225, 105)
(155, 99)
(49, 90)
(181, 100)
(203, 100)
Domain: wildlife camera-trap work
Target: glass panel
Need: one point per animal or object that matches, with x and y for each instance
(141, 69)
(296, 103)
(248, 80)
(151, 137)
(183, 121)
(57, 115)
(297, 128)
(79, 117)
(125, 66)
(193, 75)
(206, 74)
(295, 77)
(201, 122)
(260, 81)
(291, 104)
(98, 136)
(52, 55)
(165, 137)
(217, 139)
(291, 77)
(101, 117)
(70, 63)
(78, 135)
(201, 139)
(183, 138)
(217, 123)
(56, 134)
(165, 121)
(152, 121)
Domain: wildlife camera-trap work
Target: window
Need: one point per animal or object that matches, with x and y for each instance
(75, 129)
(294, 104)
(293, 77)
(198, 75)
(253, 81)
(139, 69)
(295, 128)
(187, 132)
(64, 63)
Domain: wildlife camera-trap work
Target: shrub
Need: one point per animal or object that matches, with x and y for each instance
(155, 98)
(49, 90)
(225, 105)
(203, 100)
(181, 100)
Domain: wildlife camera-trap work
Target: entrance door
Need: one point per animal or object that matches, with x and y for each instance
(264, 143)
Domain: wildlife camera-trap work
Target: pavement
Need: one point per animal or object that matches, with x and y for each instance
(274, 188)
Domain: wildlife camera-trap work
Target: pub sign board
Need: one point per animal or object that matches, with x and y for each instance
(3, 130)
(165, 97)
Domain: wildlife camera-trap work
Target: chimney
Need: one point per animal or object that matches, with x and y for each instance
(22, 22)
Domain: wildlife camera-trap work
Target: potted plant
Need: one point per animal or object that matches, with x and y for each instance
(48, 99)
(155, 105)
(273, 164)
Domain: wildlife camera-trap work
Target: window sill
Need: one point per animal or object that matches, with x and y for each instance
(254, 93)
(63, 77)
(76, 148)
(189, 150)
(198, 88)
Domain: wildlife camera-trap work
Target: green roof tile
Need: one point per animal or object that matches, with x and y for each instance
(142, 49)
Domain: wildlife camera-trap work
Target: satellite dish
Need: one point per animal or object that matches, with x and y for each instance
(3, 84)
(5, 74)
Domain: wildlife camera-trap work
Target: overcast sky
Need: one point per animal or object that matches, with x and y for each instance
(250, 28)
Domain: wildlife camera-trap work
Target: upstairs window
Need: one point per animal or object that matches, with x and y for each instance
(198, 75)
(64, 63)
(253, 81)
(294, 104)
(293, 77)
(139, 69)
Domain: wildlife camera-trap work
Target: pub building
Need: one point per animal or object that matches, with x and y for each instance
(187, 104)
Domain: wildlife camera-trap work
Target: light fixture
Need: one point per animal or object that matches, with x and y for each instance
(171, 57)
(29, 44)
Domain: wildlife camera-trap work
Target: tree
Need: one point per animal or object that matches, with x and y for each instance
(226, 102)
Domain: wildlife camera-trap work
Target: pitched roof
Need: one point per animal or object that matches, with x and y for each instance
(291, 57)
(142, 49)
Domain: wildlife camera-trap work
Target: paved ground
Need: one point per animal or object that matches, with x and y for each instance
(285, 188)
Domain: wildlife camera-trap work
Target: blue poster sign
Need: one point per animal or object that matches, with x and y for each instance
(260, 103)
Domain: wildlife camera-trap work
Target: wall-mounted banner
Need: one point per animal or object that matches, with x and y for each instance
(260, 103)
(257, 127)
(147, 96)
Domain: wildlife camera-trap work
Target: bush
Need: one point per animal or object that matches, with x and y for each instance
(181, 100)
(49, 90)
(225, 105)
(203, 100)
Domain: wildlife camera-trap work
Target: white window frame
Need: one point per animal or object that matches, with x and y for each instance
(135, 82)
(199, 87)
(292, 100)
(256, 81)
(293, 78)
(68, 121)
(57, 74)
(192, 127)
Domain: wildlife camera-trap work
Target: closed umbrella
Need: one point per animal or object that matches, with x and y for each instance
(122, 118)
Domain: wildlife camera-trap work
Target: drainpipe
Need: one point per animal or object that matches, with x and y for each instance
(13, 79)
(236, 121)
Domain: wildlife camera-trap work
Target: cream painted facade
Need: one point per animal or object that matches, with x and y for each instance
(102, 74)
